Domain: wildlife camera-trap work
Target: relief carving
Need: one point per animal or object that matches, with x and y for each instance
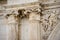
(48, 22)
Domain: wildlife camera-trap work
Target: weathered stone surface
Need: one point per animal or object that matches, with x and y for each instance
(32, 22)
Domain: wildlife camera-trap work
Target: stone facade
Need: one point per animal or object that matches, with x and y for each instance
(32, 21)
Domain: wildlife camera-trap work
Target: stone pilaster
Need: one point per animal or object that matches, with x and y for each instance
(34, 19)
(12, 24)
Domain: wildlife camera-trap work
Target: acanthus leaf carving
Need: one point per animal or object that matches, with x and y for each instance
(49, 21)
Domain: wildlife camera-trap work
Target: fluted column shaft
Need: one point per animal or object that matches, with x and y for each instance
(12, 27)
(34, 26)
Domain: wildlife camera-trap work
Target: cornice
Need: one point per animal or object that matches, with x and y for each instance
(21, 6)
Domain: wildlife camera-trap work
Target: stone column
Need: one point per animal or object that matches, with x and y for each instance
(23, 25)
(12, 26)
(34, 19)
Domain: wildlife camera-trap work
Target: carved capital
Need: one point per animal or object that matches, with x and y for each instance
(11, 16)
(27, 12)
(33, 14)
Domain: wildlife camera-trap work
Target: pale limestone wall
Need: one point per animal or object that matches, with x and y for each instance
(13, 2)
(3, 29)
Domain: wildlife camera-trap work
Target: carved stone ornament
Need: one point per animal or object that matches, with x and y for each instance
(45, 20)
(49, 20)
(11, 16)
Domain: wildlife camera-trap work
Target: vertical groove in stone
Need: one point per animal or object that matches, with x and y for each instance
(12, 32)
(19, 31)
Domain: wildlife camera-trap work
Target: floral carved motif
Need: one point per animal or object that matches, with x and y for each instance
(48, 22)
